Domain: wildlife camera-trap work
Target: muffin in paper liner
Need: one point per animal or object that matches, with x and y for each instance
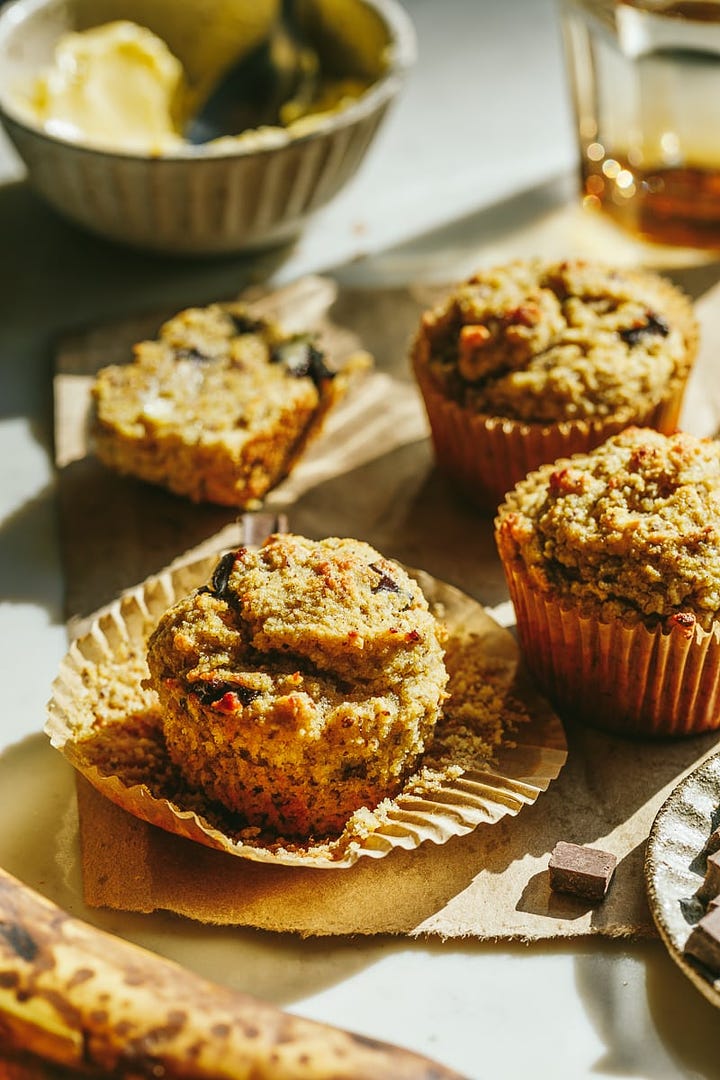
(487, 455)
(618, 675)
(106, 723)
(487, 451)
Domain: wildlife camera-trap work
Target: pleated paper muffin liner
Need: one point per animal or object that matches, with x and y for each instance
(624, 677)
(106, 722)
(487, 455)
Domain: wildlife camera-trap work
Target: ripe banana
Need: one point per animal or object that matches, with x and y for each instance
(75, 998)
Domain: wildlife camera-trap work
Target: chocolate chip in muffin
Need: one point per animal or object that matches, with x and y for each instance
(193, 354)
(385, 582)
(655, 324)
(221, 574)
(210, 691)
(245, 324)
(300, 357)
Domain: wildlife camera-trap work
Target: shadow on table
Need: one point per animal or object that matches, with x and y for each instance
(605, 783)
(28, 569)
(56, 277)
(546, 220)
(653, 1022)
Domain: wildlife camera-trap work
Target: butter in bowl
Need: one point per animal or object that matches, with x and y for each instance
(197, 129)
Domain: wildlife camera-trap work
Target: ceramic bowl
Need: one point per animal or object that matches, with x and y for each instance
(200, 200)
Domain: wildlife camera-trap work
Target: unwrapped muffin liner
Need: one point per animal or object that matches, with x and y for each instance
(101, 681)
(487, 455)
(619, 676)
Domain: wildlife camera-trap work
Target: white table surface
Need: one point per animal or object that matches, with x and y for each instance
(484, 119)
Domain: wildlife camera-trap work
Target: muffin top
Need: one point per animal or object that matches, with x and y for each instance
(541, 341)
(214, 372)
(633, 526)
(334, 607)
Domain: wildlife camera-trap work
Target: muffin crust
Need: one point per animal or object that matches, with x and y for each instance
(543, 342)
(630, 530)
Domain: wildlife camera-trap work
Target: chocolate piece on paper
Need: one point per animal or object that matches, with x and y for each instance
(710, 887)
(704, 941)
(713, 842)
(581, 871)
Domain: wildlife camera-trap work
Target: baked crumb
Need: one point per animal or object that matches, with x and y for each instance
(302, 683)
(218, 407)
(540, 342)
(632, 529)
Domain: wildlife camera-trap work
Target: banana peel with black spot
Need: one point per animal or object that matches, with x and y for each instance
(76, 1001)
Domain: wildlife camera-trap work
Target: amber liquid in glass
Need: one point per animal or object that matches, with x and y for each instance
(678, 206)
(646, 82)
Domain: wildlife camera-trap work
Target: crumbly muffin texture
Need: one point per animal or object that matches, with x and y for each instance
(631, 529)
(541, 342)
(302, 683)
(217, 408)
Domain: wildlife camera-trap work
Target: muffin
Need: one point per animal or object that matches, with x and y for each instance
(301, 684)
(534, 360)
(613, 563)
(218, 408)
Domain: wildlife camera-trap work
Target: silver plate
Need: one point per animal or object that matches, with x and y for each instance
(675, 865)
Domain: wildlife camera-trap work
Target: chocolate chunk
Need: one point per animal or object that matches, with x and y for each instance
(221, 574)
(655, 324)
(582, 871)
(300, 358)
(713, 842)
(210, 691)
(385, 582)
(711, 885)
(358, 771)
(192, 354)
(704, 941)
(245, 324)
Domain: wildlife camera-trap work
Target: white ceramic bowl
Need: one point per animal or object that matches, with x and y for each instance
(196, 201)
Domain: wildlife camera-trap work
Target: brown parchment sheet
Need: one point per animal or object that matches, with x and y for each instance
(371, 475)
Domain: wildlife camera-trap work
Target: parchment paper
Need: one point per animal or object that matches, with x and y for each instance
(380, 485)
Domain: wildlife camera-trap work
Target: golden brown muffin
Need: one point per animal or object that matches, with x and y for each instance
(218, 408)
(301, 684)
(613, 563)
(535, 360)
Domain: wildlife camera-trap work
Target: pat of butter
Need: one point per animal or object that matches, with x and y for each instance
(118, 87)
(114, 87)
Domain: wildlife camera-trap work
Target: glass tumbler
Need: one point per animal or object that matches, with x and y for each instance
(645, 79)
